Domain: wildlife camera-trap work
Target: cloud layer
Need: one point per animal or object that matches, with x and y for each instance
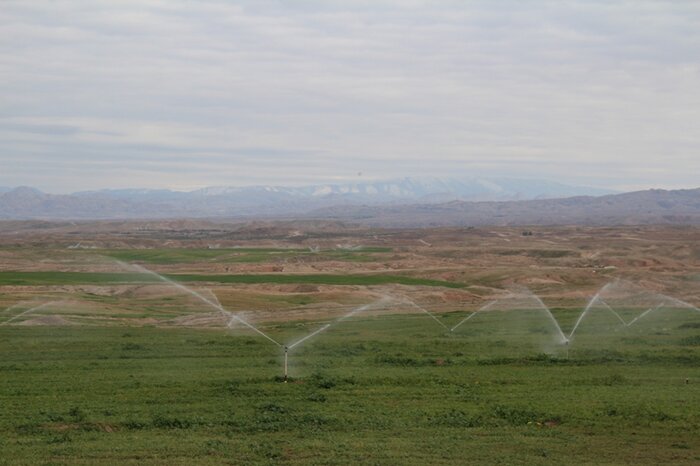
(184, 94)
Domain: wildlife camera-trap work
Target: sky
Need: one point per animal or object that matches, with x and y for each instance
(185, 94)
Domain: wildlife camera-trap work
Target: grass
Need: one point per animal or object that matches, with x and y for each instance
(318, 279)
(238, 255)
(63, 278)
(378, 390)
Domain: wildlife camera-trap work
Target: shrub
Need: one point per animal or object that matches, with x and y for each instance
(322, 381)
(131, 347)
(454, 418)
(690, 341)
(77, 414)
(165, 422)
(397, 360)
(316, 397)
(516, 416)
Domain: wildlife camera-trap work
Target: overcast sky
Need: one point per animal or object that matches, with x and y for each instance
(184, 94)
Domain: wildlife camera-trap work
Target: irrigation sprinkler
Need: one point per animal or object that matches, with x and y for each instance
(291, 346)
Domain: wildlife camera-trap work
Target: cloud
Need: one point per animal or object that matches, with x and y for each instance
(287, 92)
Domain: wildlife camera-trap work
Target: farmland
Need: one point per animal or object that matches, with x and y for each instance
(107, 358)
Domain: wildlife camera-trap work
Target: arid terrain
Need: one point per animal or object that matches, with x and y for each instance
(286, 271)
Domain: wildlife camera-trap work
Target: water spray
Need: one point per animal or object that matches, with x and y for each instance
(33, 309)
(648, 311)
(311, 335)
(481, 309)
(288, 348)
(543, 306)
(607, 306)
(207, 301)
(420, 308)
(588, 308)
(682, 304)
(14, 306)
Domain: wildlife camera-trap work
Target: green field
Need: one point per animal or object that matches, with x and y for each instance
(63, 278)
(374, 390)
(240, 255)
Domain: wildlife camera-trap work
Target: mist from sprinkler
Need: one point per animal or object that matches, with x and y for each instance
(682, 303)
(597, 300)
(562, 337)
(29, 311)
(483, 308)
(235, 318)
(288, 348)
(648, 311)
(207, 301)
(11, 308)
(614, 312)
(588, 307)
(526, 293)
(410, 302)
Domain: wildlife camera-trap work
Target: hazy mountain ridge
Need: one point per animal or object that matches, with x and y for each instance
(642, 207)
(406, 202)
(422, 188)
(26, 202)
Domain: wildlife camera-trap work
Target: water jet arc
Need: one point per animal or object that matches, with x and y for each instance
(288, 348)
(614, 312)
(420, 308)
(8, 309)
(207, 301)
(587, 309)
(648, 311)
(35, 308)
(554, 321)
(481, 309)
(325, 327)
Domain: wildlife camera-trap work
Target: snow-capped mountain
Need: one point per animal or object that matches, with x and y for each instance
(224, 201)
(421, 189)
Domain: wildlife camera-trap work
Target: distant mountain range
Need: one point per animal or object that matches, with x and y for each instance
(656, 206)
(407, 202)
(24, 202)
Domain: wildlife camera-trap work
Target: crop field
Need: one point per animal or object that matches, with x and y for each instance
(251, 255)
(383, 392)
(167, 346)
(78, 278)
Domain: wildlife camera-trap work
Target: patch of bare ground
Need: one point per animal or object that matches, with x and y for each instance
(542, 281)
(66, 427)
(302, 288)
(209, 319)
(149, 291)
